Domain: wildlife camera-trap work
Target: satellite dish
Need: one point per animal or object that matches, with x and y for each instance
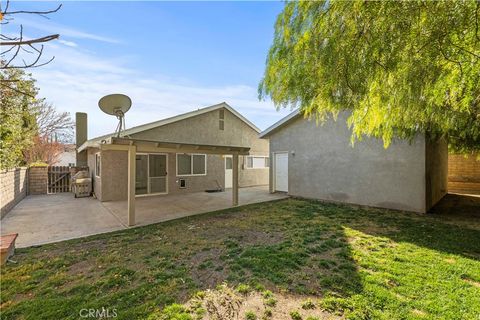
(116, 105)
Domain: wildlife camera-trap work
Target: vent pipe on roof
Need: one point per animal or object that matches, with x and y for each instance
(81, 136)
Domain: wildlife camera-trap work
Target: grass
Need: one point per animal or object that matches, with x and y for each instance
(355, 262)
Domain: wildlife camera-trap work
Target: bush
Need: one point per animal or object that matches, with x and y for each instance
(244, 289)
(175, 312)
(267, 313)
(295, 315)
(250, 315)
(271, 302)
(308, 304)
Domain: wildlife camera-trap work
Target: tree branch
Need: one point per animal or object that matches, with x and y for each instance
(5, 12)
(29, 42)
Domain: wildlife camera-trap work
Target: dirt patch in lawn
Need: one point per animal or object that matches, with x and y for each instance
(227, 303)
(207, 269)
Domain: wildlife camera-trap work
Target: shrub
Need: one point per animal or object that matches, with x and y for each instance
(271, 302)
(295, 315)
(244, 289)
(250, 315)
(267, 313)
(175, 312)
(308, 304)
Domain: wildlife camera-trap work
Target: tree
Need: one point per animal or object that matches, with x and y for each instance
(43, 150)
(399, 67)
(30, 129)
(15, 45)
(17, 117)
(53, 125)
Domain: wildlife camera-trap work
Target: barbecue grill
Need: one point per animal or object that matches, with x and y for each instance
(82, 184)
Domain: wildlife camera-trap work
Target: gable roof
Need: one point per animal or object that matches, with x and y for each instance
(280, 123)
(95, 141)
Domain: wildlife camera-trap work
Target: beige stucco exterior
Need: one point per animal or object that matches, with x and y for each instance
(200, 129)
(322, 164)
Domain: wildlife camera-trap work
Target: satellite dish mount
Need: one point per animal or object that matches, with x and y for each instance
(116, 105)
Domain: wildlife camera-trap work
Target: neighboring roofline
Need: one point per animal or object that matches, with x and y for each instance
(277, 125)
(96, 141)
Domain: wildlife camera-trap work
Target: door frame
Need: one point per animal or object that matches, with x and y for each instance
(274, 168)
(148, 174)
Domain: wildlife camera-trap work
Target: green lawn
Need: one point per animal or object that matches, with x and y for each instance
(356, 262)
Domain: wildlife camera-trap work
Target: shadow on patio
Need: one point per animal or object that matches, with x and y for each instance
(167, 207)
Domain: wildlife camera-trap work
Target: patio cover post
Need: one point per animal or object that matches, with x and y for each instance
(235, 180)
(132, 150)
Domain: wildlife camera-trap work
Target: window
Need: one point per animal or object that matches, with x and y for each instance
(97, 164)
(256, 162)
(228, 163)
(191, 164)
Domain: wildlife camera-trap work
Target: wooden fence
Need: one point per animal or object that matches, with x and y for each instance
(59, 178)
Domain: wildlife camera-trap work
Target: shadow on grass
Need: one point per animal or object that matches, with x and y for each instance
(296, 246)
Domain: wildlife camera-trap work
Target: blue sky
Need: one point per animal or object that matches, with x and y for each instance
(170, 57)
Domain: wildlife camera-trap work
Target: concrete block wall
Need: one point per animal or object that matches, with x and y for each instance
(13, 188)
(38, 180)
(464, 173)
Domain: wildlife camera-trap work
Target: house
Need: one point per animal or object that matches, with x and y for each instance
(67, 157)
(206, 149)
(318, 161)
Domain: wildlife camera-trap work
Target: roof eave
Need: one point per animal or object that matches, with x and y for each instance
(277, 125)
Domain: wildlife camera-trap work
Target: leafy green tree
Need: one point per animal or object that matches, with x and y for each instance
(399, 67)
(17, 116)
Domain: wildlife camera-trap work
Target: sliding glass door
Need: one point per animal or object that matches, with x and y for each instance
(151, 174)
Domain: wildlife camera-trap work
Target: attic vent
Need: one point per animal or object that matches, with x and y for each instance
(221, 119)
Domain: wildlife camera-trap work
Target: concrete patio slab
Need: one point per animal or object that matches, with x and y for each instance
(50, 218)
(167, 207)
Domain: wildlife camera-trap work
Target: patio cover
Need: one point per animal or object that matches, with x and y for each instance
(132, 146)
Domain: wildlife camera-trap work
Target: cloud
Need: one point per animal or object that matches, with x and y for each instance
(77, 79)
(68, 43)
(64, 31)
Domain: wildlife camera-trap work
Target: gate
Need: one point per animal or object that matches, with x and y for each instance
(58, 179)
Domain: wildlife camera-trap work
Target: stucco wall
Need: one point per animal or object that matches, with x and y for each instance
(325, 166)
(215, 171)
(436, 171)
(114, 175)
(201, 129)
(204, 129)
(252, 177)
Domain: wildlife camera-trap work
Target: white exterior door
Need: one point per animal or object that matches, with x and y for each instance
(281, 172)
(228, 171)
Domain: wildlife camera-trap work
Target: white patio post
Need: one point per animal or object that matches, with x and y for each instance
(235, 180)
(132, 150)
